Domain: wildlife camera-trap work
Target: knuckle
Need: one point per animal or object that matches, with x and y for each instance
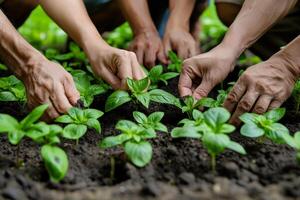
(244, 106)
(259, 109)
(232, 97)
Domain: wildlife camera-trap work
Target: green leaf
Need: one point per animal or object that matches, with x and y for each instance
(160, 127)
(148, 133)
(186, 131)
(113, 141)
(66, 119)
(297, 139)
(248, 118)
(275, 115)
(252, 130)
(140, 154)
(197, 115)
(226, 128)
(76, 114)
(276, 132)
(127, 126)
(56, 162)
(155, 117)
(8, 123)
(33, 116)
(144, 99)
(207, 102)
(16, 136)
(94, 123)
(169, 75)
(92, 113)
(215, 143)
(74, 131)
(139, 117)
(7, 96)
(155, 73)
(96, 90)
(214, 117)
(236, 147)
(116, 99)
(138, 86)
(161, 96)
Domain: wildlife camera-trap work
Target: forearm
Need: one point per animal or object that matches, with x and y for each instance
(138, 15)
(180, 13)
(72, 16)
(15, 52)
(254, 19)
(290, 55)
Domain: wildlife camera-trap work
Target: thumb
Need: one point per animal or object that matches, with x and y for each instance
(203, 89)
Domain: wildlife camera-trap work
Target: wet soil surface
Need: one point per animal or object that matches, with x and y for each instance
(180, 168)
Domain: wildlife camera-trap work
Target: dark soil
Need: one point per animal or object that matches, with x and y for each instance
(180, 168)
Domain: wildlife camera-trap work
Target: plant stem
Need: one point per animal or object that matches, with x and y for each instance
(77, 142)
(213, 163)
(112, 169)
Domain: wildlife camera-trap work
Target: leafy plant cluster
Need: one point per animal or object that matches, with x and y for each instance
(49, 136)
(12, 89)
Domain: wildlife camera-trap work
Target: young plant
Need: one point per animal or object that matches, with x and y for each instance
(212, 129)
(120, 37)
(12, 89)
(295, 143)
(78, 121)
(133, 139)
(139, 94)
(176, 62)
(265, 126)
(86, 89)
(156, 75)
(190, 104)
(213, 103)
(150, 122)
(17, 130)
(55, 158)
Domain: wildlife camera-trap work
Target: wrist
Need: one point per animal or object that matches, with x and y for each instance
(177, 23)
(145, 31)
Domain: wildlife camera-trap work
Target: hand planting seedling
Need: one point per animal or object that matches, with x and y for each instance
(190, 104)
(140, 94)
(78, 121)
(265, 125)
(55, 158)
(176, 62)
(12, 89)
(212, 129)
(17, 130)
(156, 75)
(213, 103)
(86, 89)
(133, 139)
(150, 122)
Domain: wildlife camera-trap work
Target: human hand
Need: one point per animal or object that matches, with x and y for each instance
(262, 87)
(148, 48)
(115, 66)
(180, 41)
(47, 82)
(200, 74)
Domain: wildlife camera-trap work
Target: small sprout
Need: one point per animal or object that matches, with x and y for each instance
(12, 89)
(133, 139)
(213, 103)
(212, 129)
(139, 93)
(78, 121)
(120, 37)
(176, 62)
(56, 162)
(86, 89)
(156, 75)
(190, 104)
(265, 125)
(150, 122)
(43, 133)
(295, 143)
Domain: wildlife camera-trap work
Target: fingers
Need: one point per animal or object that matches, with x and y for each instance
(262, 104)
(161, 56)
(110, 78)
(150, 57)
(140, 55)
(185, 83)
(275, 104)
(234, 96)
(125, 70)
(137, 71)
(183, 52)
(203, 89)
(245, 105)
(70, 90)
(59, 99)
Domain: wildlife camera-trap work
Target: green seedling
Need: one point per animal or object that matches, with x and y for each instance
(133, 139)
(12, 89)
(295, 143)
(176, 62)
(3, 67)
(78, 121)
(55, 158)
(17, 130)
(139, 94)
(156, 75)
(296, 95)
(120, 37)
(212, 129)
(190, 104)
(150, 122)
(265, 126)
(213, 103)
(86, 89)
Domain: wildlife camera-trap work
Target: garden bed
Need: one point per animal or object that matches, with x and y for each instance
(180, 168)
